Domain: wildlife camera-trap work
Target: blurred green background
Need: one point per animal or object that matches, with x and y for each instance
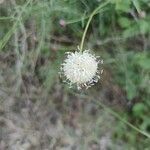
(38, 111)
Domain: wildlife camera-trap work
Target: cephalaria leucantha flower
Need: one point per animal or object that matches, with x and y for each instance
(81, 69)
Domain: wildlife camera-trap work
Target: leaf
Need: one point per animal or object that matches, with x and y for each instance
(131, 90)
(123, 5)
(144, 26)
(142, 60)
(145, 63)
(146, 122)
(138, 109)
(132, 31)
(137, 5)
(124, 22)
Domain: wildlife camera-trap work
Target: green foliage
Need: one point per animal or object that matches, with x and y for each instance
(124, 22)
(138, 109)
(123, 6)
(134, 70)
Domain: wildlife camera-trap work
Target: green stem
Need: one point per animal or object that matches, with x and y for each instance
(81, 19)
(109, 110)
(123, 120)
(88, 23)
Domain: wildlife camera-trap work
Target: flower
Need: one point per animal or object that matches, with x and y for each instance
(81, 69)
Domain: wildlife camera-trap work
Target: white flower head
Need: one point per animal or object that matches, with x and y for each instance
(81, 69)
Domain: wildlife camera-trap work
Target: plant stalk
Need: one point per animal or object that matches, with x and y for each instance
(88, 23)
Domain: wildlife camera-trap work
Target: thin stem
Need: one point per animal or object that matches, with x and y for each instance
(86, 17)
(88, 23)
(123, 120)
(109, 110)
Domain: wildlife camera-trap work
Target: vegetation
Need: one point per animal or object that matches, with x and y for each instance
(39, 111)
